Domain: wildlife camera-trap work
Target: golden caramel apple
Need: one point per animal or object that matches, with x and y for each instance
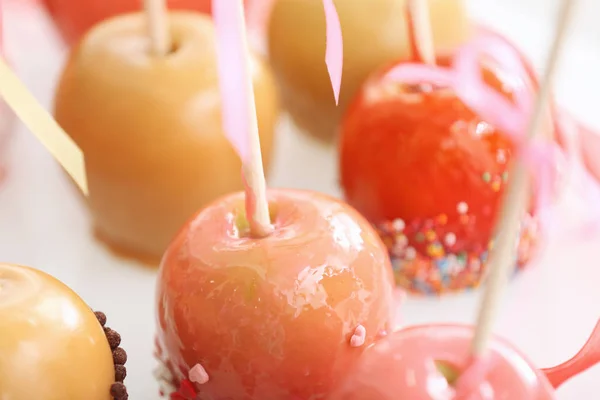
(52, 347)
(375, 32)
(150, 128)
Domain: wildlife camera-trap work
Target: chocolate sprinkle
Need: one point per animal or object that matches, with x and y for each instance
(114, 339)
(120, 373)
(119, 356)
(101, 317)
(117, 390)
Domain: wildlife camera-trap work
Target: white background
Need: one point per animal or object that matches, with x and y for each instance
(549, 310)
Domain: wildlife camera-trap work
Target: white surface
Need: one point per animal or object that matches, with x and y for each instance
(549, 311)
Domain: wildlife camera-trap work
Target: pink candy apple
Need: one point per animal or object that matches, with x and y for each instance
(424, 363)
(274, 318)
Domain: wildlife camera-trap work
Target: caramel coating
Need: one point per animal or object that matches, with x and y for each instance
(151, 130)
(374, 32)
(51, 344)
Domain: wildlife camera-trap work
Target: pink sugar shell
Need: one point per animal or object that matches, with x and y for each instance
(402, 365)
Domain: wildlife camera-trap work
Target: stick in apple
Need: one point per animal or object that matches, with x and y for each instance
(516, 200)
(419, 25)
(42, 125)
(158, 27)
(239, 108)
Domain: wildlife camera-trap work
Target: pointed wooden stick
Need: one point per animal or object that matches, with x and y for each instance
(42, 125)
(515, 203)
(421, 32)
(158, 27)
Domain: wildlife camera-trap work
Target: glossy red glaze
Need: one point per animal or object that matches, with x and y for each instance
(272, 318)
(403, 366)
(417, 152)
(74, 17)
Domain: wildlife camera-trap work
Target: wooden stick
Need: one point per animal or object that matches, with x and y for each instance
(420, 25)
(257, 206)
(158, 27)
(516, 200)
(42, 125)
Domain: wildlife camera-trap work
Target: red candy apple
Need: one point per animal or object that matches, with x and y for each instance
(276, 318)
(74, 17)
(424, 168)
(424, 362)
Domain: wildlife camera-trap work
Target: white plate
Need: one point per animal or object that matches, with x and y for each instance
(549, 311)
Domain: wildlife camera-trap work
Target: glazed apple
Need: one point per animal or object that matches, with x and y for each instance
(375, 33)
(429, 173)
(51, 344)
(74, 18)
(424, 362)
(150, 128)
(282, 317)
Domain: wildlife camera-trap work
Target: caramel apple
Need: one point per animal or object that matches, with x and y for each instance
(74, 18)
(424, 362)
(52, 345)
(375, 33)
(430, 174)
(274, 318)
(151, 129)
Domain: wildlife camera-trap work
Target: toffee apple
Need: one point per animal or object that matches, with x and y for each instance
(150, 128)
(375, 33)
(430, 174)
(425, 362)
(52, 345)
(74, 18)
(279, 317)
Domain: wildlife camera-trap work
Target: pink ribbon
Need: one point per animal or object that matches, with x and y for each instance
(334, 51)
(235, 80)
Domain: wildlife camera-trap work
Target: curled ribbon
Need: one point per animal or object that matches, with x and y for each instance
(542, 155)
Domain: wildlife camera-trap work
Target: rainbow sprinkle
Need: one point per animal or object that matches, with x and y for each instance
(437, 268)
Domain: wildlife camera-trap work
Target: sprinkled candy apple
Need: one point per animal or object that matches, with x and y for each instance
(278, 317)
(52, 345)
(150, 128)
(74, 18)
(429, 173)
(426, 362)
(296, 35)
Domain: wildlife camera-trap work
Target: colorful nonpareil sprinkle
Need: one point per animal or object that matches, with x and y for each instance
(428, 259)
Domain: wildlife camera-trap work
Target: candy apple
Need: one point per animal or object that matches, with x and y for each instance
(52, 346)
(73, 18)
(429, 173)
(151, 130)
(375, 33)
(424, 362)
(281, 317)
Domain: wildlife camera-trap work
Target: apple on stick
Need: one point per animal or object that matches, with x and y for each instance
(140, 96)
(267, 294)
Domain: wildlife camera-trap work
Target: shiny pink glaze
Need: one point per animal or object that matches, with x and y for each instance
(402, 366)
(272, 318)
